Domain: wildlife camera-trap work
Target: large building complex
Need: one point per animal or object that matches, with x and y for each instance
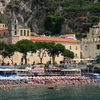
(14, 32)
(90, 46)
(70, 43)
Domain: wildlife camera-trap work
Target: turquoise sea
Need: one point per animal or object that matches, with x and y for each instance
(60, 93)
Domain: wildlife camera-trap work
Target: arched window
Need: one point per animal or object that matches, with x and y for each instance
(3, 25)
(21, 32)
(27, 32)
(15, 21)
(22, 61)
(15, 32)
(24, 32)
(15, 27)
(86, 48)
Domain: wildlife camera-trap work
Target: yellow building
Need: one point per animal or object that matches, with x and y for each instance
(69, 43)
(16, 32)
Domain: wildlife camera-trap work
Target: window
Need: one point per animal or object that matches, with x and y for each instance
(21, 33)
(76, 55)
(76, 47)
(24, 32)
(4, 34)
(89, 56)
(27, 32)
(15, 32)
(15, 21)
(70, 48)
(15, 27)
(9, 34)
(92, 33)
(98, 46)
(22, 61)
(85, 48)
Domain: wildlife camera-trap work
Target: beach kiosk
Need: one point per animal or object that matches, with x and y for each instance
(72, 72)
(7, 71)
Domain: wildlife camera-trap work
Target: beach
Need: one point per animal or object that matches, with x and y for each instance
(46, 81)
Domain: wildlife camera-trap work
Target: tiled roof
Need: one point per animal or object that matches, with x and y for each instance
(54, 39)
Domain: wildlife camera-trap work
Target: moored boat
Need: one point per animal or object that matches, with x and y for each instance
(51, 87)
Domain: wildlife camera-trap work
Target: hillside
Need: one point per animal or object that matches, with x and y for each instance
(54, 17)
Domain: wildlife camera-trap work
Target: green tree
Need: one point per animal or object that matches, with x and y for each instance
(2, 50)
(41, 49)
(98, 59)
(80, 35)
(53, 24)
(68, 54)
(94, 19)
(54, 50)
(25, 46)
(3, 19)
(8, 51)
(94, 6)
(90, 66)
(4, 55)
(2, 46)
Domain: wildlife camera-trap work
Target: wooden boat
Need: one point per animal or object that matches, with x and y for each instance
(50, 87)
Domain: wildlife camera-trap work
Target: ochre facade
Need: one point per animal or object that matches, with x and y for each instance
(15, 32)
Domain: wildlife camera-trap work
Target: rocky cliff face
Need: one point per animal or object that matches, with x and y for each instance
(3, 4)
(30, 13)
(78, 15)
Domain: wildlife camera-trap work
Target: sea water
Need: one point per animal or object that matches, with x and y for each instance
(59, 93)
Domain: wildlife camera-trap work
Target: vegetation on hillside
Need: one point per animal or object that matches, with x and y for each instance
(53, 17)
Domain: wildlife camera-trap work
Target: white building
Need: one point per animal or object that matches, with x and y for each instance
(90, 46)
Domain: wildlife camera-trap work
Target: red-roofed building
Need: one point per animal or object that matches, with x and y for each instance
(54, 39)
(16, 32)
(3, 32)
(69, 43)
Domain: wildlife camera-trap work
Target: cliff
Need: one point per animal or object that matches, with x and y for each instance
(55, 16)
